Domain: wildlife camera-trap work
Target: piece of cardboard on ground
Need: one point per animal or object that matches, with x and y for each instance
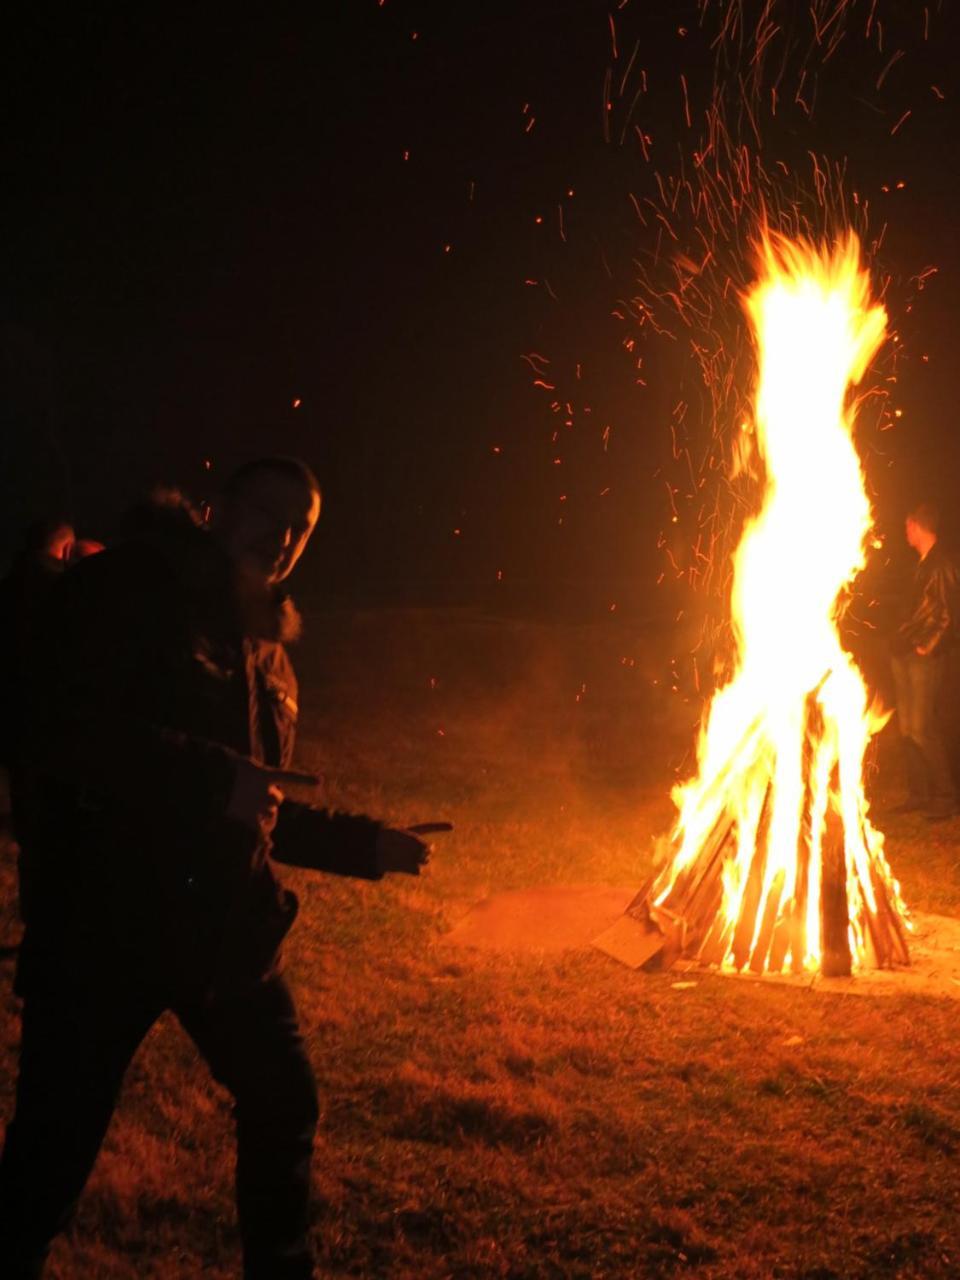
(631, 941)
(554, 918)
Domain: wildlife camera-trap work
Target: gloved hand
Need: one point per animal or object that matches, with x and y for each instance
(404, 849)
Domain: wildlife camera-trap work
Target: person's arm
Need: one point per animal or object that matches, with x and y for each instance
(345, 844)
(349, 844)
(933, 621)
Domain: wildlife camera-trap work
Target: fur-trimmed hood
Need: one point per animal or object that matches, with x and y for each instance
(171, 527)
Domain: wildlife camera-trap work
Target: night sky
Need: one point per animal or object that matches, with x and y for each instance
(207, 219)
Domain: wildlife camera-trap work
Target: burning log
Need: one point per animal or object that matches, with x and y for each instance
(773, 863)
(834, 907)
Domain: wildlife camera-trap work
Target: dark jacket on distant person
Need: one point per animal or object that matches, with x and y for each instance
(149, 683)
(24, 593)
(931, 619)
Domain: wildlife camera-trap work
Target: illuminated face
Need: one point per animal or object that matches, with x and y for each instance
(916, 537)
(266, 525)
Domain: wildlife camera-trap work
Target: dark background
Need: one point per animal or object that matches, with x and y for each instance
(207, 217)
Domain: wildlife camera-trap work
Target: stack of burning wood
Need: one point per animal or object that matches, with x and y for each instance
(773, 864)
(683, 915)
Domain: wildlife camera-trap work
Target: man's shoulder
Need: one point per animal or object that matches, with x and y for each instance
(277, 624)
(944, 559)
(272, 658)
(270, 646)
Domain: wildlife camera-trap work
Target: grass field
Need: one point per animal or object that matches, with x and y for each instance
(554, 1115)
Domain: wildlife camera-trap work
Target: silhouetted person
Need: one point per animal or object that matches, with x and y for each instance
(920, 654)
(163, 743)
(44, 555)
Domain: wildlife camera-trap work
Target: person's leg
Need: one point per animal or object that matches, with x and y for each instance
(905, 679)
(77, 1038)
(254, 1047)
(898, 668)
(929, 736)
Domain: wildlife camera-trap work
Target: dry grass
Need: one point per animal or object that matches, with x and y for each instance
(531, 1116)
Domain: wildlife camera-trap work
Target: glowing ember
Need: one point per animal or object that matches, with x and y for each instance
(772, 845)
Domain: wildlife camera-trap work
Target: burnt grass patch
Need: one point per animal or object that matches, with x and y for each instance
(538, 1116)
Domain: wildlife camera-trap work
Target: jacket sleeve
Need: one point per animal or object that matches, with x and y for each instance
(88, 730)
(342, 843)
(933, 620)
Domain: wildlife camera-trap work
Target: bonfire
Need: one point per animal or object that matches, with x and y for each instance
(773, 863)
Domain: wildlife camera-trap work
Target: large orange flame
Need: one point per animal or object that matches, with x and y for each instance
(782, 746)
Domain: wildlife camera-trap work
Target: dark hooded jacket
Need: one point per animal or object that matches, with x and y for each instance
(148, 685)
(23, 594)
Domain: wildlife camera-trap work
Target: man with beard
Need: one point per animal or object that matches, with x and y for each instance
(160, 747)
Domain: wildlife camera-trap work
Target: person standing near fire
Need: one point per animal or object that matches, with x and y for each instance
(48, 548)
(45, 552)
(921, 651)
(162, 743)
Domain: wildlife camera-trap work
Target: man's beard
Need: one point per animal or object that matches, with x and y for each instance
(266, 611)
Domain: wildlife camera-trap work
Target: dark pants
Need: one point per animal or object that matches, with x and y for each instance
(920, 683)
(77, 1041)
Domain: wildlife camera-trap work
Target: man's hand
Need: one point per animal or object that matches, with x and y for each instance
(258, 793)
(405, 850)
